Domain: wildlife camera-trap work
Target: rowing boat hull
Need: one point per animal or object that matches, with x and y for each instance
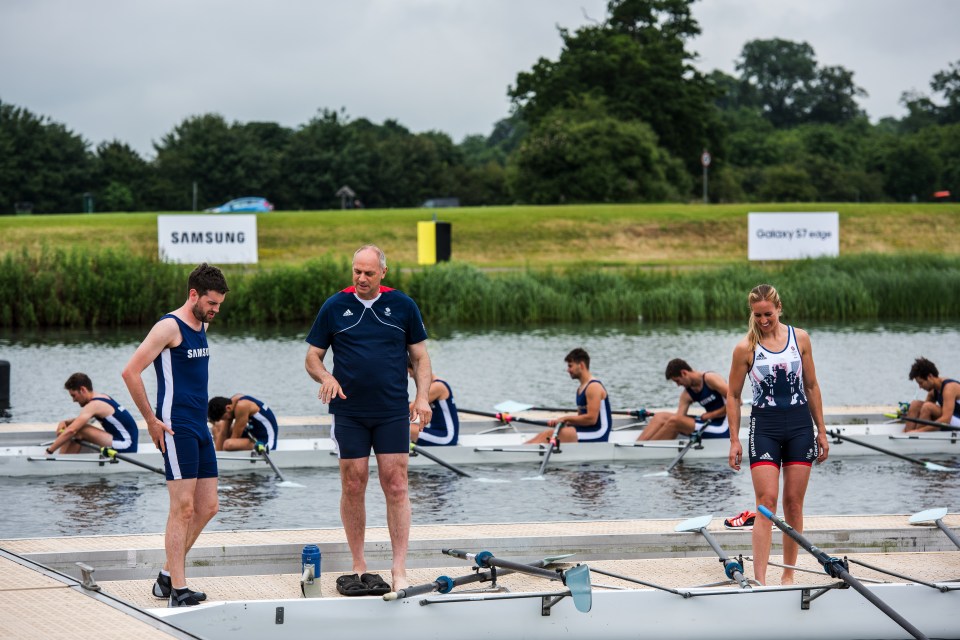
(724, 614)
(503, 448)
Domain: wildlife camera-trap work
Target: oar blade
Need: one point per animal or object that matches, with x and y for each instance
(658, 474)
(933, 466)
(694, 524)
(930, 515)
(510, 406)
(578, 581)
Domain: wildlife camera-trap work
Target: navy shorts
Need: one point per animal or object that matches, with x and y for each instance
(190, 453)
(354, 436)
(780, 444)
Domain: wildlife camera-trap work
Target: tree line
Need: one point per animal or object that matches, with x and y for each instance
(622, 115)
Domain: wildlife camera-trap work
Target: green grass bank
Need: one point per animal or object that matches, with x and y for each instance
(662, 235)
(105, 287)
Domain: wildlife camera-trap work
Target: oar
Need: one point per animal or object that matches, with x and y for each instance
(936, 516)
(695, 439)
(932, 466)
(262, 450)
(576, 579)
(640, 414)
(931, 423)
(415, 450)
(445, 584)
(503, 416)
(732, 568)
(111, 453)
(552, 444)
(835, 568)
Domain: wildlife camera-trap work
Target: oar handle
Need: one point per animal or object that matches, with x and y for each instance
(836, 434)
(837, 569)
(262, 451)
(443, 463)
(504, 417)
(112, 453)
(931, 423)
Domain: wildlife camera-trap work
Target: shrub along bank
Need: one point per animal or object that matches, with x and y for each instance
(86, 288)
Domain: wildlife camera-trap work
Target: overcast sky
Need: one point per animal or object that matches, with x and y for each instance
(134, 69)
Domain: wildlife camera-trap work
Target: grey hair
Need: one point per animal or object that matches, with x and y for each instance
(375, 249)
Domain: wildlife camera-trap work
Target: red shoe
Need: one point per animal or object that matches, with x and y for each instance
(743, 520)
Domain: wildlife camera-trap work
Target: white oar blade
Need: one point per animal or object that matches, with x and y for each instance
(694, 524)
(658, 474)
(932, 466)
(930, 515)
(509, 406)
(289, 483)
(578, 581)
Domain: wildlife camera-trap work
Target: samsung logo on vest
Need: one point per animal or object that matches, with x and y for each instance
(198, 353)
(209, 237)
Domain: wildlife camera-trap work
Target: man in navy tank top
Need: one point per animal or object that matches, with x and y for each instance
(234, 417)
(444, 427)
(119, 430)
(594, 418)
(177, 348)
(942, 403)
(371, 330)
(706, 388)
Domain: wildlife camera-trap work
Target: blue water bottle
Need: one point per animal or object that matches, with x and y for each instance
(311, 558)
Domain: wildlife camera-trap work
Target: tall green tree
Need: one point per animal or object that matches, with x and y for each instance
(584, 154)
(123, 179)
(44, 163)
(637, 62)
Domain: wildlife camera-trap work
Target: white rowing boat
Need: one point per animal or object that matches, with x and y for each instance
(685, 595)
(481, 449)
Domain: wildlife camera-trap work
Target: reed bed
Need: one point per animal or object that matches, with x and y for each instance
(86, 288)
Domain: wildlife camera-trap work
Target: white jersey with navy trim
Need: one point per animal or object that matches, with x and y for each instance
(777, 376)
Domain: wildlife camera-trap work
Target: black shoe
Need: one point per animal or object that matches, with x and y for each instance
(183, 598)
(161, 589)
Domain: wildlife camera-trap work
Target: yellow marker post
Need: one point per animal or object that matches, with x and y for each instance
(426, 242)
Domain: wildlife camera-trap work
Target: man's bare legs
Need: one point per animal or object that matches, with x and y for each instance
(392, 468)
(193, 502)
(354, 473)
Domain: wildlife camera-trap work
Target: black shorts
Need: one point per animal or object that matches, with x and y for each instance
(778, 443)
(354, 437)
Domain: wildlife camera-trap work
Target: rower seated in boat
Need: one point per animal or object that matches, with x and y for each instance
(233, 417)
(942, 403)
(593, 418)
(707, 388)
(444, 427)
(119, 430)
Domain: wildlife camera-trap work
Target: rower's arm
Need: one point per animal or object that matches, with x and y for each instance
(73, 428)
(950, 394)
(241, 418)
(162, 335)
(811, 389)
(739, 366)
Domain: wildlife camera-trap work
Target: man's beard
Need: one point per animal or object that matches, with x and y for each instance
(198, 313)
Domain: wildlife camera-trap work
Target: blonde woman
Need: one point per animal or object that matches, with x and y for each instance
(786, 420)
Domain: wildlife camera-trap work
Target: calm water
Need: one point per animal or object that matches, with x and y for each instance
(73, 505)
(858, 364)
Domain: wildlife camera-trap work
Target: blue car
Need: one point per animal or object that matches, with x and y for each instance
(243, 204)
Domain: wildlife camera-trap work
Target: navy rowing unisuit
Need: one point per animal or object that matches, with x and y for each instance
(263, 424)
(121, 425)
(600, 431)
(444, 427)
(182, 404)
(781, 429)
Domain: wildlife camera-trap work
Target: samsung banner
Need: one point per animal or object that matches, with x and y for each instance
(218, 238)
(792, 236)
